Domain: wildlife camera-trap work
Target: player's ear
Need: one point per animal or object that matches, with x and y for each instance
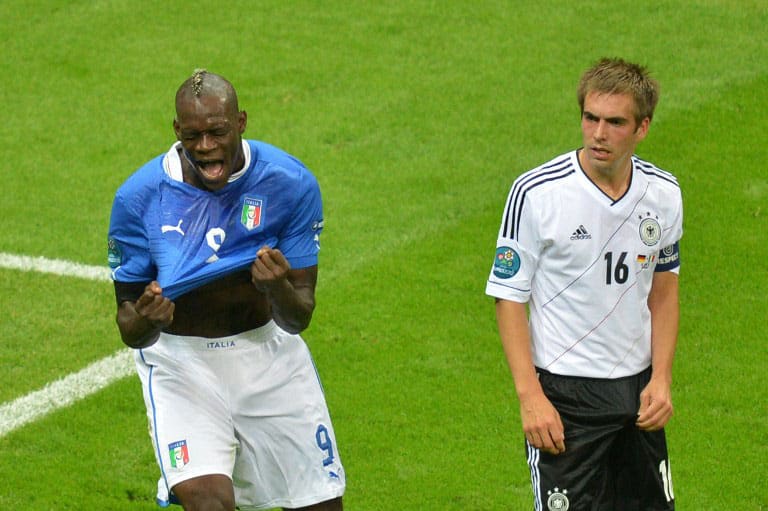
(177, 128)
(642, 128)
(242, 121)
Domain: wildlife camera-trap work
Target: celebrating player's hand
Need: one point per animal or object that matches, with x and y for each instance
(153, 307)
(542, 425)
(269, 269)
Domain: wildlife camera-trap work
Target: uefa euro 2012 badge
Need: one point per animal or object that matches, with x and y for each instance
(558, 500)
(114, 256)
(507, 263)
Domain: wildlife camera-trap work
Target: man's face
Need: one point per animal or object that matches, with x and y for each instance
(210, 130)
(610, 132)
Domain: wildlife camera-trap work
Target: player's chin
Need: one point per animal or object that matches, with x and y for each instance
(214, 182)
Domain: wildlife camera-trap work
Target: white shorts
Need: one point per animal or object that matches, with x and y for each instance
(249, 406)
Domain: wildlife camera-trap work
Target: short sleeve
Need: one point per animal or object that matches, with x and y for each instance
(516, 255)
(300, 240)
(669, 256)
(128, 251)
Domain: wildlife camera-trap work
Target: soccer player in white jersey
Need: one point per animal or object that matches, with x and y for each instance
(213, 248)
(585, 279)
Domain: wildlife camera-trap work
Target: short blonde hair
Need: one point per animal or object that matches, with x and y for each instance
(617, 76)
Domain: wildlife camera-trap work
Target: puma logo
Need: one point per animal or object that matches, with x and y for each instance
(175, 228)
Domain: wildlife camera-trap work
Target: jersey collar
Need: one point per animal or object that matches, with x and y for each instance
(172, 163)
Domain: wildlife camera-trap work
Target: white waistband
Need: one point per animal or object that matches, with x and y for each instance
(257, 335)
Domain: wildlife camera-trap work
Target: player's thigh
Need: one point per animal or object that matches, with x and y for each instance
(287, 445)
(206, 492)
(573, 479)
(641, 471)
(593, 413)
(328, 505)
(284, 409)
(190, 423)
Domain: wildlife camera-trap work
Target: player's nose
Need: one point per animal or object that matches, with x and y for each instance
(206, 143)
(600, 130)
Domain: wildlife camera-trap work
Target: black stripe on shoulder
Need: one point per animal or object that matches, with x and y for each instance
(558, 169)
(650, 169)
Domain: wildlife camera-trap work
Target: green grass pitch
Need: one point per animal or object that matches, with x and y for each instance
(415, 116)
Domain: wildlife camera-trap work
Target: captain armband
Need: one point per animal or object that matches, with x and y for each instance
(669, 257)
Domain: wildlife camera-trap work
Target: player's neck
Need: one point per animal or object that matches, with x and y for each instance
(612, 181)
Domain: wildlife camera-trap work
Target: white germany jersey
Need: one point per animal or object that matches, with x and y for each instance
(585, 263)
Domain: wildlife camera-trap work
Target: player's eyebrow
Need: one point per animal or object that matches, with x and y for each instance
(613, 120)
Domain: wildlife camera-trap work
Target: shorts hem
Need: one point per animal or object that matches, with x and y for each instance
(186, 476)
(294, 503)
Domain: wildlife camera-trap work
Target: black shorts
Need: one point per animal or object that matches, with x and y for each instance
(608, 464)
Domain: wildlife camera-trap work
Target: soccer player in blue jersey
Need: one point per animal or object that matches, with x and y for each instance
(213, 248)
(585, 279)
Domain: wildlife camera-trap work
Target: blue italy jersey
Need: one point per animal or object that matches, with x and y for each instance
(166, 230)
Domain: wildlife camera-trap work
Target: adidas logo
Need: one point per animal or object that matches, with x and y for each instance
(581, 234)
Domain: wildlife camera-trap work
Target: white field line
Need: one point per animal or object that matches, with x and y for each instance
(55, 266)
(73, 387)
(65, 391)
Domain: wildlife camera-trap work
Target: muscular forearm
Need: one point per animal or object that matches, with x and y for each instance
(540, 420)
(135, 331)
(656, 398)
(515, 339)
(292, 306)
(141, 321)
(291, 292)
(664, 307)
